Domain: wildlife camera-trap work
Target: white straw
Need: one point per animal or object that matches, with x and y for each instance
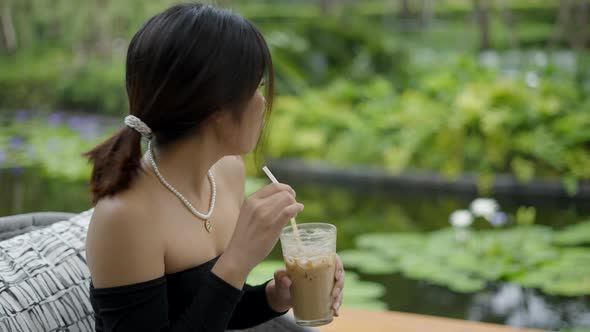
(293, 223)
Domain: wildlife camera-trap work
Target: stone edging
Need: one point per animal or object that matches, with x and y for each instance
(293, 170)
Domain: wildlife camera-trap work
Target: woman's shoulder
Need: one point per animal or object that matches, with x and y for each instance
(123, 245)
(124, 210)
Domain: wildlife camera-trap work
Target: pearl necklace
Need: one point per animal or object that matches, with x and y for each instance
(206, 217)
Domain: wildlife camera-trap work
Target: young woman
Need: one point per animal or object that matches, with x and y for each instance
(172, 239)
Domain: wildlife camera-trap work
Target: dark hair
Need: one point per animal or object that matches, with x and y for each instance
(182, 66)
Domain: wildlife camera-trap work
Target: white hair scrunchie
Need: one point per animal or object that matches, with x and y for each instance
(135, 123)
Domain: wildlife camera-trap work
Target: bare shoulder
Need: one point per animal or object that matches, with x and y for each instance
(233, 172)
(123, 245)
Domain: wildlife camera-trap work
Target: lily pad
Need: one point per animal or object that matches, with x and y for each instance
(525, 254)
(359, 289)
(466, 284)
(440, 273)
(577, 234)
(392, 246)
(368, 262)
(569, 275)
(380, 240)
(363, 294)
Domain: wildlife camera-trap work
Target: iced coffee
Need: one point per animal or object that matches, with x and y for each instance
(311, 265)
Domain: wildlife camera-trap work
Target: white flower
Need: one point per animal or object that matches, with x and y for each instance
(532, 79)
(484, 207)
(461, 218)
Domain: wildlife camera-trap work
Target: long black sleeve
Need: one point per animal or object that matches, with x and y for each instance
(253, 308)
(215, 307)
(144, 307)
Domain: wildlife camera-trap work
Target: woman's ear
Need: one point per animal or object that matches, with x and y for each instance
(222, 122)
(221, 117)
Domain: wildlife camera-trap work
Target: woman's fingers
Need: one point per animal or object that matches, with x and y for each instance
(282, 279)
(337, 293)
(339, 265)
(289, 212)
(337, 290)
(339, 274)
(339, 280)
(337, 304)
(271, 189)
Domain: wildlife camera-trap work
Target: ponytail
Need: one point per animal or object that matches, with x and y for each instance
(116, 162)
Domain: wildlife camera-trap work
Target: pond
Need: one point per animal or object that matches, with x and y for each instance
(372, 210)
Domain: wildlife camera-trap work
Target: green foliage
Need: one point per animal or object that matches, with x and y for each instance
(304, 54)
(264, 271)
(531, 256)
(53, 82)
(73, 57)
(96, 86)
(409, 101)
(26, 82)
(315, 52)
(456, 118)
(57, 22)
(26, 191)
(254, 184)
(55, 149)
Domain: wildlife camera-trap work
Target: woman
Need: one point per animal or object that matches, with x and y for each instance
(172, 241)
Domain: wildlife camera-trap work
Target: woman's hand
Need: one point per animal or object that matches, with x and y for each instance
(278, 291)
(262, 218)
(338, 286)
(279, 295)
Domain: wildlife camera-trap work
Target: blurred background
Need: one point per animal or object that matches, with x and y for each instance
(449, 140)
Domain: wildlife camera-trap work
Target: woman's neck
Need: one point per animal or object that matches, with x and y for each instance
(185, 164)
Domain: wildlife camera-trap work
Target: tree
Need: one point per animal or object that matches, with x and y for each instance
(572, 23)
(327, 6)
(8, 39)
(103, 31)
(510, 23)
(405, 10)
(482, 15)
(427, 12)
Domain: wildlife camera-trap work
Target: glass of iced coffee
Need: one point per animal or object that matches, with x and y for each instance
(311, 262)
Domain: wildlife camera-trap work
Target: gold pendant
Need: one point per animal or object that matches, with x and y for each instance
(208, 226)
